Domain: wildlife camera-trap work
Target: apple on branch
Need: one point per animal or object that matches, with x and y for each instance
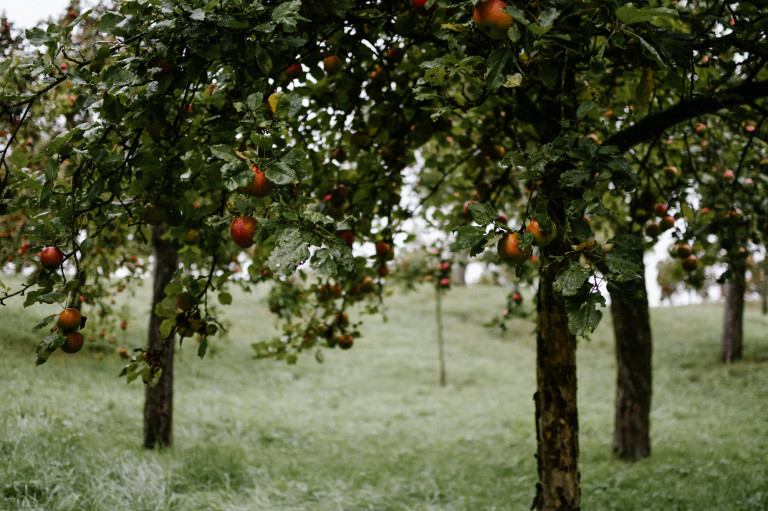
(491, 19)
(51, 257)
(242, 229)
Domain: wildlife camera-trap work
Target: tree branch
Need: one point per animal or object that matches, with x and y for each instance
(652, 125)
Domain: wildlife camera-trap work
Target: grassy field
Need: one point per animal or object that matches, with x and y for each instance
(370, 428)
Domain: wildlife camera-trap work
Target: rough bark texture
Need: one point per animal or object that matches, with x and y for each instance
(158, 405)
(557, 424)
(632, 328)
(733, 331)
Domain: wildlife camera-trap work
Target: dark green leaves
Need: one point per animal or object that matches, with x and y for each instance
(583, 314)
(471, 237)
(571, 281)
(497, 61)
(629, 14)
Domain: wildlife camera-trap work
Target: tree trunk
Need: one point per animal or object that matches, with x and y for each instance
(158, 405)
(440, 343)
(557, 425)
(731, 344)
(632, 329)
(764, 286)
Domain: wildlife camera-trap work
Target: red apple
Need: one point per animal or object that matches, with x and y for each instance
(667, 223)
(51, 257)
(242, 229)
(418, 6)
(348, 237)
(466, 208)
(517, 298)
(660, 210)
(690, 263)
(728, 175)
(73, 343)
(445, 282)
(541, 238)
(652, 229)
(70, 319)
(395, 54)
(502, 218)
(345, 341)
(382, 249)
(683, 251)
(670, 172)
(509, 249)
(123, 352)
(260, 186)
(332, 64)
(491, 19)
(293, 71)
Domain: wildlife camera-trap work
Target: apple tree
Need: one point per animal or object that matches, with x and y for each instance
(286, 136)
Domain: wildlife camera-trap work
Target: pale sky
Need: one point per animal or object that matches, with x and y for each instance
(26, 13)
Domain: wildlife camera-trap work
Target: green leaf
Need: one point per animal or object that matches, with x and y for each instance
(469, 236)
(515, 80)
(583, 316)
(19, 159)
(570, 281)
(584, 109)
(116, 75)
(624, 263)
(548, 72)
(173, 288)
(483, 214)
(48, 345)
(38, 37)
(497, 61)
(263, 60)
(202, 348)
(290, 252)
(166, 327)
(224, 152)
(44, 322)
(644, 88)
(629, 14)
(435, 76)
(280, 173)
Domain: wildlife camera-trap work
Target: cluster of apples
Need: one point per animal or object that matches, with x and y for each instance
(509, 247)
(70, 321)
(684, 252)
(242, 228)
(384, 252)
(444, 274)
(666, 222)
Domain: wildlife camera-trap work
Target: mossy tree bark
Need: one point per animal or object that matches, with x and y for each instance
(557, 425)
(158, 405)
(632, 329)
(731, 346)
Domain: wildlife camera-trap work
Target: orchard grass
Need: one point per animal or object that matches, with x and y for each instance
(371, 428)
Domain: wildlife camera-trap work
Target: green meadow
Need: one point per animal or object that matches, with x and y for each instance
(370, 428)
